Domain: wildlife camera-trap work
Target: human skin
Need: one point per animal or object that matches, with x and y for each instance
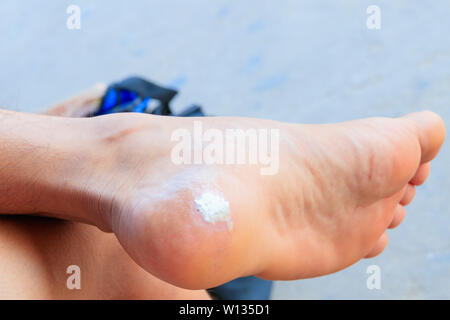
(338, 189)
(35, 252)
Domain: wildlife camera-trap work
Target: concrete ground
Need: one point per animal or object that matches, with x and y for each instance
(301, 61)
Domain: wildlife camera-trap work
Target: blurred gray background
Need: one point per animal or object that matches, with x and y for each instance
(300, 61)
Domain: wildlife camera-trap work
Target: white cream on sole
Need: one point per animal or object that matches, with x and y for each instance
(214, 208)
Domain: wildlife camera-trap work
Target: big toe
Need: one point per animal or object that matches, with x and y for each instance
(430, 130)
(395, 150)
(420, 137)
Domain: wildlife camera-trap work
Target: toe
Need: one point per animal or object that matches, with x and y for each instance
(399, 215)
(430, 130)
(411, 141)
(410, 192)
(379, 246)
(421, 174)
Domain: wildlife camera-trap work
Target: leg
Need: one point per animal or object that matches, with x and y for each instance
(338, 188)
(79, 105)
(35, 253)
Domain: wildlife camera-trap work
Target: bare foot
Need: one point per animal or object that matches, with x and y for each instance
(339, 187)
